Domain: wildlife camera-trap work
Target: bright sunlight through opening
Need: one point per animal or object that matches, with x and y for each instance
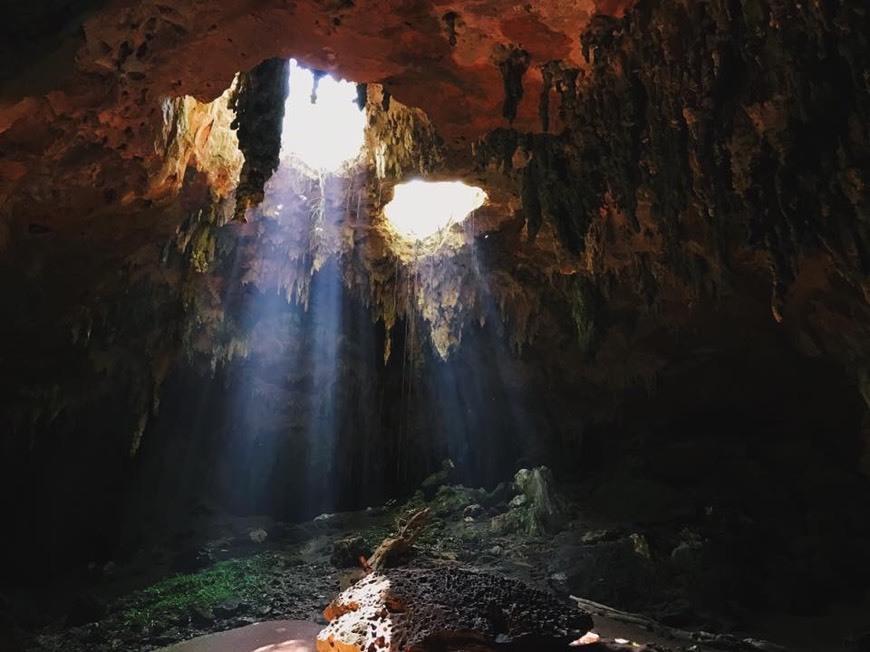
(326, 133)
(421, 208)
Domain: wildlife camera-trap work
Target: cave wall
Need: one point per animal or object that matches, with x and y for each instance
(311, 419)
(669, 290)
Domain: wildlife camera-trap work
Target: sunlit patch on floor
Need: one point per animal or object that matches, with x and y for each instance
(421, 209)
(269, 636)
(323, 125)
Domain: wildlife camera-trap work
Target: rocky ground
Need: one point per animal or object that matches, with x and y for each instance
(258, 570)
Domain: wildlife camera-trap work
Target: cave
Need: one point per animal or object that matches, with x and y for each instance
(558, 312)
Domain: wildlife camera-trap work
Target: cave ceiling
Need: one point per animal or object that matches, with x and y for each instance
(652, 166)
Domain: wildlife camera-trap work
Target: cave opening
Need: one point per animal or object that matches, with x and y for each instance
(421, 209)
(556, 322)
(323, 125)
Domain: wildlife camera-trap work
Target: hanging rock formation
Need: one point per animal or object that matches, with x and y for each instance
(258, 102)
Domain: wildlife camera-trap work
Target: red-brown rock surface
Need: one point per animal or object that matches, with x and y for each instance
(102, 120)
(134, 56)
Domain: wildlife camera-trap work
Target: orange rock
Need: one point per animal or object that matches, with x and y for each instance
(405, 610)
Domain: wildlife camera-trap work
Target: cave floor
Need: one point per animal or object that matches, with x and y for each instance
(229, 573)
(298, 636)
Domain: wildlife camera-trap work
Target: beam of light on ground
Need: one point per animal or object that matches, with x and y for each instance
(324, 134)
(421, 209)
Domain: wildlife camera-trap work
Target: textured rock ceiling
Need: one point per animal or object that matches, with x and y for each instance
(99, 134)
(88, 116)
(440, 56)
(648, 163)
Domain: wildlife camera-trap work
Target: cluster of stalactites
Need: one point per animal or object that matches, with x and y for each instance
(706, 127)
(302, 222)
(197, 135)
(400, 140)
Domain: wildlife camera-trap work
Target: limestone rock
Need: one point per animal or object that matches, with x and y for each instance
(258, 535)
(546, 513)
(439, 479)
(406, 610)
(347, 552)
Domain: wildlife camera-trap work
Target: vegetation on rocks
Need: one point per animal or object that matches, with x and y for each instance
(178, 596)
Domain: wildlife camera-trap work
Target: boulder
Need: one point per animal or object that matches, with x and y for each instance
(410, 610)
(347, 551)
(258, 535)
(473, 511)
(544, 509)
(441, 478)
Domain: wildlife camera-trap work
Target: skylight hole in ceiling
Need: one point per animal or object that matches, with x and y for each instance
(420, 209)
(324, 134)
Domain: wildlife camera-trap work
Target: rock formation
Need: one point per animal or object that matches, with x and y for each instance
(409, 610)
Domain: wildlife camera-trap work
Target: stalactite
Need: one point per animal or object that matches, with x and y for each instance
(259, 105)
(399, 139)
(450, 20)
(563, 80)
(513, 68)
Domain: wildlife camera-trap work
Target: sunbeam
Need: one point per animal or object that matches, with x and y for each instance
(294, 308)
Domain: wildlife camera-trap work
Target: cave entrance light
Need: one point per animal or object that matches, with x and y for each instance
(323, 128)
(420, 209)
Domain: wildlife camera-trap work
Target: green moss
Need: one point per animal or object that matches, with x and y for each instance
(372, 537)
(175, 597)
(202, 253)
(452, 499)
(509, 522)
(585, 305)
(415, 502)
(434, 535)
(470, 537)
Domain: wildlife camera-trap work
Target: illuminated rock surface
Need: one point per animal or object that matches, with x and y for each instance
(410, 610)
